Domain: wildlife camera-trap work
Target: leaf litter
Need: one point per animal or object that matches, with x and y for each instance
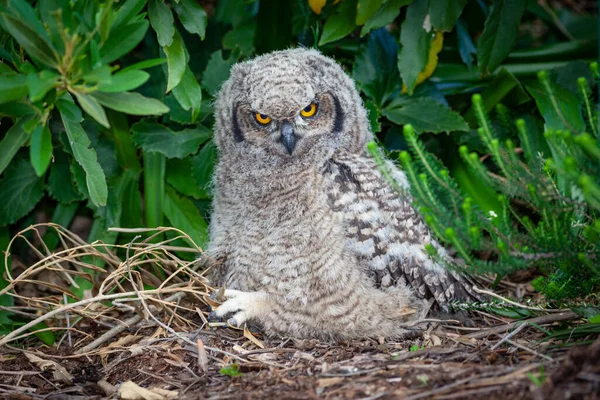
(132, 338)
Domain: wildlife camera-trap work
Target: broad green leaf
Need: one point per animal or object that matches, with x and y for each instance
(86, 157)
(121, 41)
(37, 46)
(16, 109)
(126, 152)
(23, 11)
(184, 215)
(91, 106)
(60, 183)
(40, 84)
(365, 9)
(40, 149)
(216, 72)
(179, 175)
(48, 10)
(499, 34)
(153, 62)
(415, 44)
(188, 93)
(426, 115)
(131, 103)
(375, 67)
(161, 19)
(176, 61)
(241, 37)
(154, 188)
(203, 167)
(12, 141)
(465, 44)
(384, 16)
(340, 24)
(154, 137)
(125, 81)
(128, 10)
(192, 16)
(21, 190)
(12, 87)
(275, 33)
(443, 14)
(102, 74)
(568, 117)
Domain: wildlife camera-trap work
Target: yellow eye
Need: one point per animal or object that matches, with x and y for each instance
(262, 119)
(309, 110)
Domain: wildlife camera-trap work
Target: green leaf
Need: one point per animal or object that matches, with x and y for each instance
(184, 215)
(374, 116)
(25, 12)
(13, 140)
(192, 16)
(499, 33)
(443, 14)
(569, 118)
(179, 175)
(86, 157)
(153, 137)
(37, 46)
(216, 72)
(126, 152)
(131, 103)
(241, 37)
(340, 24)
(375, 67)
(231, 370)
(203, 167)
(21, 190)
(365, 9)
(384, 16)
(131, 202)
(40, 84)
(176, 61)
(100, 74)
(153, 62)
(40, 149)
(121, 41)
(124, 81)
(154, 188)
(415, 44)
(465, 44)
(188, 93)
(161, 19)
(12, 87)
(60, 183)
(128, 10)
(93, 108)
(427, 115)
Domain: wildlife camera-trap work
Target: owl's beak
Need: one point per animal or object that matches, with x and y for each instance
(288, 136)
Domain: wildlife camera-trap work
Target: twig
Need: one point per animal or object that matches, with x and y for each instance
(545, 319)
(508, 336)
(514, 303)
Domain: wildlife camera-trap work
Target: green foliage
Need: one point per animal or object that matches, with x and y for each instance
(231, 370)
(106, 111)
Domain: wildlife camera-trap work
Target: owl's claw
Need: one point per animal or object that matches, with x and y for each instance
(243, 304)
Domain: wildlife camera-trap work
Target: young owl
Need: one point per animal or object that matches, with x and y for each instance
(313, 241)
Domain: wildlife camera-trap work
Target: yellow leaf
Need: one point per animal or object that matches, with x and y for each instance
(432, 59)
(317, 5)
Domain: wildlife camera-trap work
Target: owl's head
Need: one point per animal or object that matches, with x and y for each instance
(289, 105)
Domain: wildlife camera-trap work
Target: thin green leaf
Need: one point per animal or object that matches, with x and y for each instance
(340, 24)
(427, 115)
(40, 149)
(443, 14)
(176, 61)
(86, 157)
(12, 87)
(131, 200)
(131, 103)
(126, 152)
(184, 215)
(40, 84)
(384, 16)
(465, 45)
(154, 188)
(91, 106)
(124, 81)
(122, 41)
(154, 137)
(365, 9)
(192, 16)
(188, 93)
(569, 118)
(499, 33)
(12, 141)
(153, 62)
(127, 11)
(161, 19)
(36, 46)
(21, 190)
(415, 44)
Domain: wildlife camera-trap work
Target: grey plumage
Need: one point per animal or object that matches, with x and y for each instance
(314, 242)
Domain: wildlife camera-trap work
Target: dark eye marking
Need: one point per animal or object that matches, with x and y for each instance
(237, 132)
(338, 123)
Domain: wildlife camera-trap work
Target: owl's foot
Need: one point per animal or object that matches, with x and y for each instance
(244, 305)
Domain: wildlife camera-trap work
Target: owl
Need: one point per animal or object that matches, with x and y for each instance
(312, 240)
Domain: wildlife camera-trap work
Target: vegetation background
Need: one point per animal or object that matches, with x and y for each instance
(490, 106)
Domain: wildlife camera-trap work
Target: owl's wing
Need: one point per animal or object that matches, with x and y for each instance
(387, 234)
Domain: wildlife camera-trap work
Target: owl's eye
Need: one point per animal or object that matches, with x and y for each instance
(262, 118)
(309, 111)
